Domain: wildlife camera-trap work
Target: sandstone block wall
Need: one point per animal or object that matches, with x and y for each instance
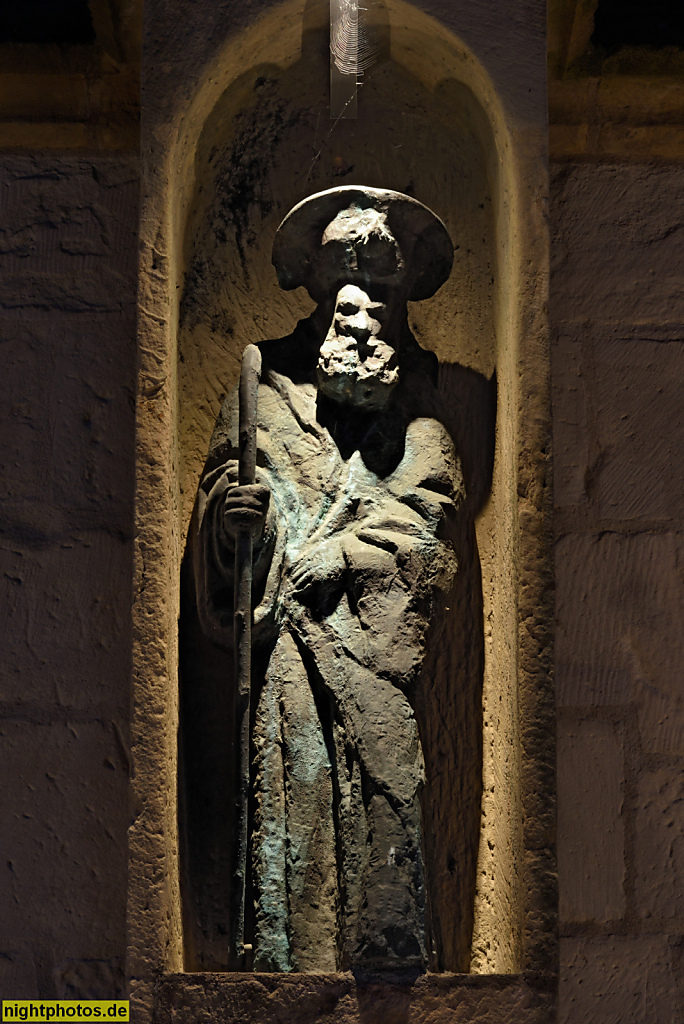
(617, 311)
(68, 259)
(68, 248)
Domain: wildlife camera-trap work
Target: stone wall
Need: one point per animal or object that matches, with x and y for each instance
(68, 252)
(68, 249)
(617, 309)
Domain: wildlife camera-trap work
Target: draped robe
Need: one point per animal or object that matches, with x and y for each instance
(347, 575)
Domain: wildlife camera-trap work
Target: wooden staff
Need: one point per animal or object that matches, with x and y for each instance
(242, 625)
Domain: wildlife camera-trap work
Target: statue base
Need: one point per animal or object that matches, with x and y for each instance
(348, 999)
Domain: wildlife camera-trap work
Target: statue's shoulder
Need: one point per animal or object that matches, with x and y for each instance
(431, 458)
(286, 408)
(426, 432)
(281, 367)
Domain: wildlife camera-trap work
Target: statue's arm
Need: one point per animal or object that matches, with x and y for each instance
(380, 533)
(423, 493)
(225, 508)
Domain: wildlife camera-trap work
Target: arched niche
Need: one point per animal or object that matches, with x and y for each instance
(255, 139)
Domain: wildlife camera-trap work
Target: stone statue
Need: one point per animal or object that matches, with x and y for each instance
(353, 518)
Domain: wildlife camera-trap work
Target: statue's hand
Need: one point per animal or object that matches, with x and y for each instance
(245, 507)
(323, 563)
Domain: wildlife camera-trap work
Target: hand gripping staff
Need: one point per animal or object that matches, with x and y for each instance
(242, 625)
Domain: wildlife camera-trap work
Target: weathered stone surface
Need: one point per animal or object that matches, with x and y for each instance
(618, 980)
(627, 388)
(628, 117)
(659, 846)
(590, 828)
(340, 999)
(617, 302)
(18, 974)
(66, 609)
(90, 979)
(71, 431)
(570, 435)
(68, 257)
(619, 609)
(618, 243)
(639, 430)
(64, 818)
(67, 239)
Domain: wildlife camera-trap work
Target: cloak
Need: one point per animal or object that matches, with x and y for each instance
(354, 564)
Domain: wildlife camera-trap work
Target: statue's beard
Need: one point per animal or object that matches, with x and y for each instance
(349, 380)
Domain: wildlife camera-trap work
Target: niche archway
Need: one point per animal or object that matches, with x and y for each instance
(208, 289)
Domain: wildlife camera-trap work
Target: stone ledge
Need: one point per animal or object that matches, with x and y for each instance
(342, 998)
(617, 143)
(87, 135)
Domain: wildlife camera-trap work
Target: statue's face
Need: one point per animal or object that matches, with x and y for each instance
(357, 364)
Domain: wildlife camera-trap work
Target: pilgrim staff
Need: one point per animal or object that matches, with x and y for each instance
(242, 626)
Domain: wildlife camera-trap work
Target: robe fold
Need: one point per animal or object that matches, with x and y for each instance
(346, 577)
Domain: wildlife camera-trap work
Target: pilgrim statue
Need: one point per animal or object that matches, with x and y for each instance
(352, 518)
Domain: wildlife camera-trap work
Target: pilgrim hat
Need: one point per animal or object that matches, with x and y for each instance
(410, 245)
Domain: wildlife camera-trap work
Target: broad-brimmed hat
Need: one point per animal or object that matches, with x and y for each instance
(417, 253)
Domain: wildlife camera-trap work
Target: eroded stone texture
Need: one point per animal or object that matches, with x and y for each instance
(60, 638)
(90, 979)
(616, 299)
(619, 606)
(590, 827)
(18, 972)
(64, 861)
(618, 979)
(342, 999)
(570, 434)
(355, 573)
(615, 391)
(638, 385)
(617, 249)
(659, 845)
(65, 243)
(68, 250)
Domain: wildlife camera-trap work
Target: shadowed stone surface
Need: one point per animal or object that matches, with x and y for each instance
(590, 829)
(340, 999)
(619, 601)
(617, 252)
(616, 299)
(63, 857)
(660, 846)
(619, 979)
(68, 249)
(18, 973)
